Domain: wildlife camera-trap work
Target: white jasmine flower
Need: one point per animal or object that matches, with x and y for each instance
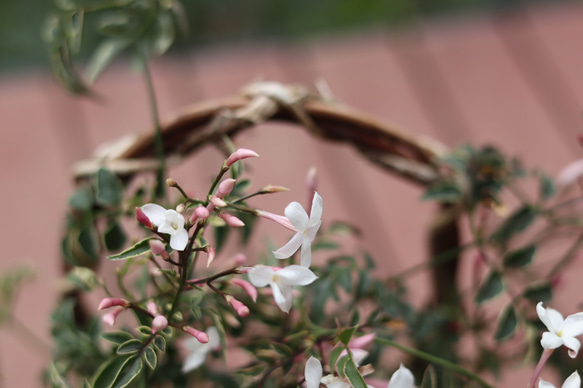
(561, 331)
(402, 378)
(170, 222)
(573, 381)
(313, 376)
(306, 229)
(199, 351)
(313, 373)
(281, 281)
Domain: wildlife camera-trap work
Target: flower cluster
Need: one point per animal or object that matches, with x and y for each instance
(282, 280)
(561, 331)
(313, 372)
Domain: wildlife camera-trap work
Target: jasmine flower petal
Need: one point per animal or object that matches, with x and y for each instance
(290, 248)
(313, 373)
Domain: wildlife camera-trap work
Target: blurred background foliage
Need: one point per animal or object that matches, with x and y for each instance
(215, 22)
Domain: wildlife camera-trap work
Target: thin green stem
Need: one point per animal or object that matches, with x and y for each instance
(260, 192)
(564, 203)
(215, 183)
(438, 260)
(435, 360)
(231, 271)
(567, 257)
(168, 279)
(28, 335)
(158, 142)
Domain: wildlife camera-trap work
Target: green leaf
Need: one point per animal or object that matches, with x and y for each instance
(103, 56)
(241, 186)
(164, 34)
(150, 357)
(353, 375)
(539, 293)
(82, 198)
(218, 322)
(130, 346)
(491, 361)
(517, 222)
(167, 331)
(363, 285)
(490, 288)
(83, 278)
(160, 343)
(334, 354)
(56, 379)
(114, 24)
(343, 228)
(324, 244)
(355, 318)
(347, 334)
(282, 349)
(109, 188)
(117, 337)
(89, 243)
(344, 278)
(114, 237)
(443, 192)
(519, 258)
(221, 235)
(341, 364)
(321, 292)
(144, 330)
(136, 250)
(64, 72)
(546, 186)
(109, 371)
(368, 260)
(507, 324)
(130, 371)
(429, 378)
(247, 230)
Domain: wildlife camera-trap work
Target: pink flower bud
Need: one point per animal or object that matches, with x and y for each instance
(361, 342)
(240, 154)
(273, 189)
(217, 202)
(240, 258)
(557, 280)
(245, 269)
(239, 306)
(202, 337)
(212, 253)
(225, 188)
(157, 247)
(110, 302)
(202, 212)
(247, 287)
(311, 181)
(143, 219)
(110, 317)
(152, 308)
(282, 220)
(231, 220)
(159, 323)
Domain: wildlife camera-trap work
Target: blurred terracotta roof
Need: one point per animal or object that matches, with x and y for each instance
(513, 80)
